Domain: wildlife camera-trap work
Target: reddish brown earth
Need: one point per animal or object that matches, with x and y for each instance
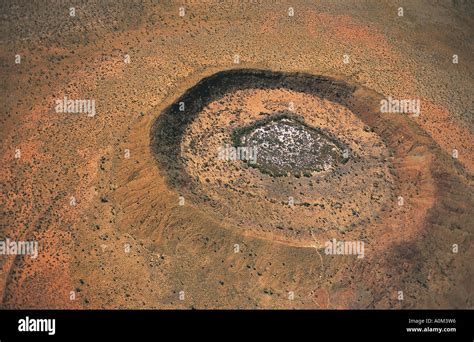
(129, 244)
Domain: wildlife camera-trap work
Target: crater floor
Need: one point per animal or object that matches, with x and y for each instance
(285, 145)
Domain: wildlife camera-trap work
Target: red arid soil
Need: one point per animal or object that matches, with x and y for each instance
(124, 218)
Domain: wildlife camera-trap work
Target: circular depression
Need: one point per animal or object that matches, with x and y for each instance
(318, 168)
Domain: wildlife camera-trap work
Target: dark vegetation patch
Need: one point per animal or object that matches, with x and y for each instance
(285, 145)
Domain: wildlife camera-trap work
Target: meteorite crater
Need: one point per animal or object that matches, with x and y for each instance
(285, 145)
(316, 171)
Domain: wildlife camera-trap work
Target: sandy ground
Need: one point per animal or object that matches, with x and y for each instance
(127, 243)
